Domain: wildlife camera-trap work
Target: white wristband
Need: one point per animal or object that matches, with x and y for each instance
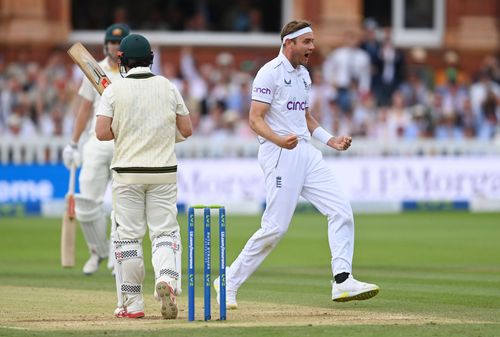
(321, 134)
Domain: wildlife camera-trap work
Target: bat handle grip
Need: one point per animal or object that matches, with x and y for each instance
(71, 185)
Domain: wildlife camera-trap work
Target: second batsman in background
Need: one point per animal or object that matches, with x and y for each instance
(95, 174)
(141, 112)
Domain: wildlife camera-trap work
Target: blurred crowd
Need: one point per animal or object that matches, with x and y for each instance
(185, 15)
(365, 88)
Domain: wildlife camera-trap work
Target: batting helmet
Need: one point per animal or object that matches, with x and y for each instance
(116, 32)
(135, 51)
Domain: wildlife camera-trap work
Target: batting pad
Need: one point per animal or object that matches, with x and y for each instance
(93, 223)
(167, 260)
(113, 238)
(129, 269)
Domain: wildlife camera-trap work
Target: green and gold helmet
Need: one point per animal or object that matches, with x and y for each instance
(116, 32)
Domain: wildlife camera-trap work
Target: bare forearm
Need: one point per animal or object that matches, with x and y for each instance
(312, 123)
(103, 129)
(260, 127)
(83, 115)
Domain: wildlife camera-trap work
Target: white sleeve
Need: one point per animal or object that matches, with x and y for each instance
(180, 107)
(87, 91)
(263, 87)
(107, 103)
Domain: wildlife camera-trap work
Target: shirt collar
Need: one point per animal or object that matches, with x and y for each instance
(138, 70)
(286, 62)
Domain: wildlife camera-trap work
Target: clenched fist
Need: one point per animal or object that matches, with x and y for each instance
(340, 143)
(289, 141)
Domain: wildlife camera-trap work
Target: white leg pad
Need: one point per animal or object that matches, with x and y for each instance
(130, 272)
(93, 223)
(167, 260)
(113, 237)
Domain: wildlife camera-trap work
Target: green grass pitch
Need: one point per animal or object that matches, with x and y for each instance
(440, 272)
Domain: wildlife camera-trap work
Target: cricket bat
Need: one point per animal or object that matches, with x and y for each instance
(94, 73)
(87, 63)
(68, 228)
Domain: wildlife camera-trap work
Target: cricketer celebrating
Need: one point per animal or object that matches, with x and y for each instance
(293, 167)
(95, 175)
(141, 113)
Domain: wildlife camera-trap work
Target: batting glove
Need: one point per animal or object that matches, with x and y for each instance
(71, 155)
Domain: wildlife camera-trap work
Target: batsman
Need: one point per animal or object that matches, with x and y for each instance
(95, 174)
(142, 112)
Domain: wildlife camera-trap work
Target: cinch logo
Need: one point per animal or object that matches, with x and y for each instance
(296, 106)
(265, 91)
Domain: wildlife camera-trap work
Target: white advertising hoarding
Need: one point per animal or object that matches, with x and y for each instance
(219, 181)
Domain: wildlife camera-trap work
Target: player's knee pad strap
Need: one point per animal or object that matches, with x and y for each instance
(167, 259)
(127, 249)
(171, 241)
(131, 288)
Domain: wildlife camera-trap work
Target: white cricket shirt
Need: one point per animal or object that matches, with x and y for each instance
(144, 108)
(286, 90)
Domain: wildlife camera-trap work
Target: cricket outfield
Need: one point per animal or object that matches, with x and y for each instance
(439, 275)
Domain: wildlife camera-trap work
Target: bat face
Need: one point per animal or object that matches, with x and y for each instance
(98, 75)
(89, 66)
(68, 227)
(68, 234)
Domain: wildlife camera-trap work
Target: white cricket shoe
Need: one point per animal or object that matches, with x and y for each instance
(133, 308)
(230, 295)
(92, 264)
(352, 289)
(166, 295)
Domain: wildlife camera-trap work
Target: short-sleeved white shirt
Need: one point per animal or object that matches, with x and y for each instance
(286, 90)
(88, 91)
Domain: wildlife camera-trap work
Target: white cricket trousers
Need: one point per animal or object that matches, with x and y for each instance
(139, 206)
(95, 174)
(288, 175)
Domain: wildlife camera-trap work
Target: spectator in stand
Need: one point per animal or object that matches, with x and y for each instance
(239, 96)
(390, 65)
(468, 123)
(212, 122)
(449, 102)
(484, 95)
(169, 70)
(345, 65)
(321, 96)
(19, 124)
(451, 70)
(372, 45)
(490, 114)
(418, 64)
(197, 80)
(491, 65)
(238, 18)
(363, 116)
(398, 117)
(414, 90)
